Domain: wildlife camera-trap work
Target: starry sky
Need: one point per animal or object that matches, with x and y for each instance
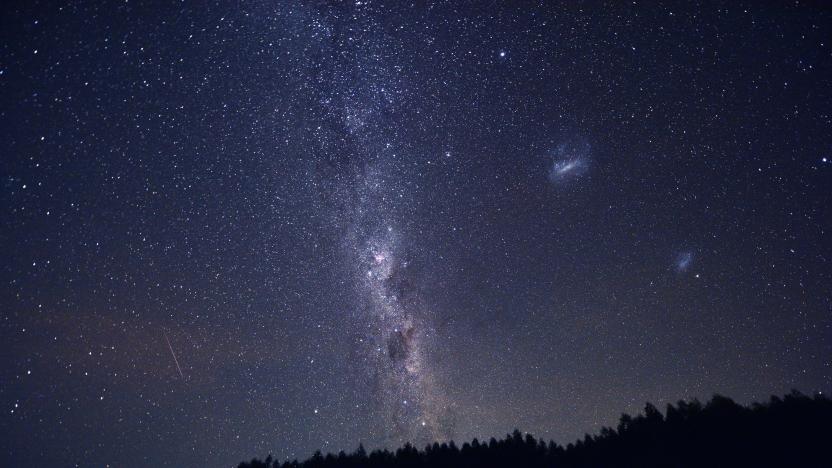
(237, 228)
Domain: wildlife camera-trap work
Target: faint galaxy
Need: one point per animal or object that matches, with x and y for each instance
(568, 162)
(684, 261)
(240, 228)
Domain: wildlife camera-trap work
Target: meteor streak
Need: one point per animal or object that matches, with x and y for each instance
(173, 354)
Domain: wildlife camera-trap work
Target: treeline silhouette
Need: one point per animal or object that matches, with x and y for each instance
(795, 430)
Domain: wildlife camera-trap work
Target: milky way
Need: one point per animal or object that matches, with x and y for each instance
(399, 331)
(366, 93)
(395, 325)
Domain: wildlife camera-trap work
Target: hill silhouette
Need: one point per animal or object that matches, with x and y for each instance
(795, 430)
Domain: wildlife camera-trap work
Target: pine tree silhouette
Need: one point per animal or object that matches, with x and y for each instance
(791, 431)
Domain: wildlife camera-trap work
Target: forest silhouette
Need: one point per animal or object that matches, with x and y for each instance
(790, 431)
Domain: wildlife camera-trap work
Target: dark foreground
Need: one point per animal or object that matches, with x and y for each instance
(793, 431)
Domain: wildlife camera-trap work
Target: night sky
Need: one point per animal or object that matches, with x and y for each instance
(242, 228)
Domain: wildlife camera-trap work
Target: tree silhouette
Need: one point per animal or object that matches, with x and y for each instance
(791, 431)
